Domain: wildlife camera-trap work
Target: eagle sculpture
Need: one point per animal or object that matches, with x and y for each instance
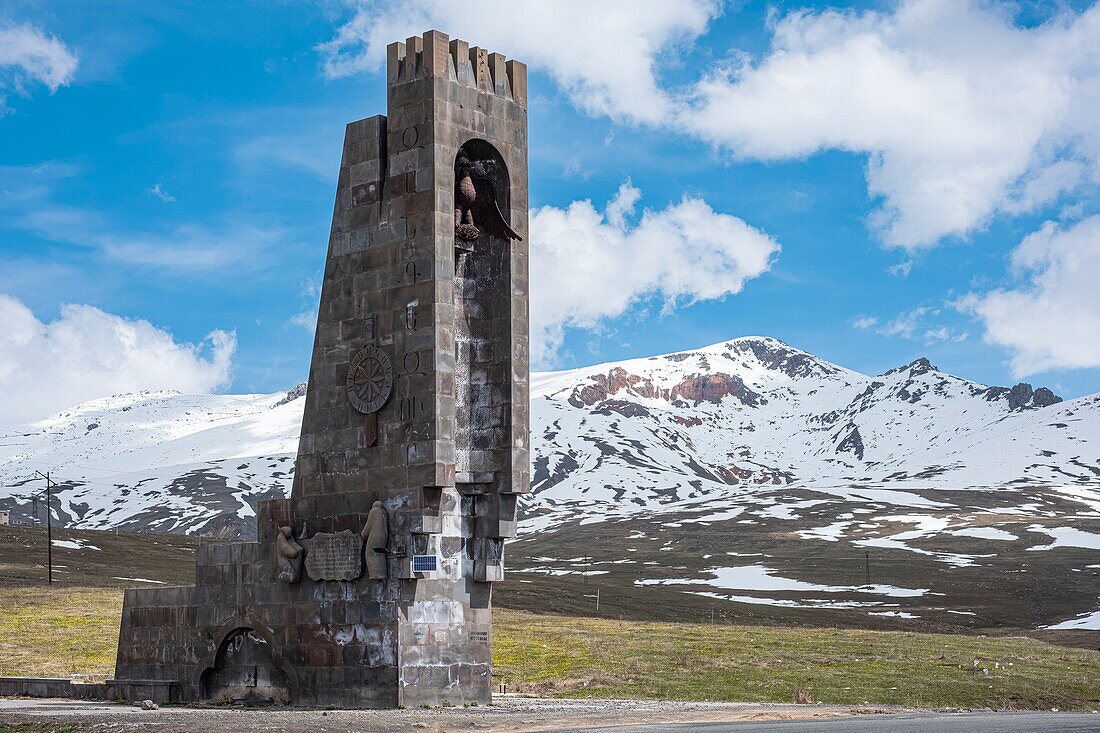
(476, 205)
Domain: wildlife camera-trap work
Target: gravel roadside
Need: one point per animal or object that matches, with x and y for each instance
(506, 714)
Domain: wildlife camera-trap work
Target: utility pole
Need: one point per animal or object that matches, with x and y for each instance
(49, 527)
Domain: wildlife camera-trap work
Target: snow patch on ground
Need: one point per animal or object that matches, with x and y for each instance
(926, 526)
(1066, 537)
(1085, 622)
(761, 578)
(74, 545)
(984, 533)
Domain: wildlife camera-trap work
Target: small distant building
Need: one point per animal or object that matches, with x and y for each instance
(5, 518)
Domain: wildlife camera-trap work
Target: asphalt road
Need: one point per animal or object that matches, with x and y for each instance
(925, 723)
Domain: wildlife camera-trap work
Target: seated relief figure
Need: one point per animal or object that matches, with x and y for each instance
(289, 554)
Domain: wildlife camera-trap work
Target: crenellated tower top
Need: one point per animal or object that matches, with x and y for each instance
(434, 55)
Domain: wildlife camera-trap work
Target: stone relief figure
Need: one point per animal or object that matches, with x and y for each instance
(476, 205)
(289, 554)
(376, 532)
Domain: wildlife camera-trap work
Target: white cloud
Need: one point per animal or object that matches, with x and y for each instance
(943, 334)
(186, 247)
(604, 55)
(907, 323)
(589, 266)
(862, 323)
(937, 335)
(306, 319)
(30, 200)
(914, 325)
(308, 148)
(87, 353)
(961, 112)
(1051, 320)
(901, 269)
(27, 55)
(157, 190)
(311, 296)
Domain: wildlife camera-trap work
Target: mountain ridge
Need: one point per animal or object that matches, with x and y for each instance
(689, 421)
(747, 473)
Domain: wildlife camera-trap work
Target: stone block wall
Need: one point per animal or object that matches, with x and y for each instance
(417, 402)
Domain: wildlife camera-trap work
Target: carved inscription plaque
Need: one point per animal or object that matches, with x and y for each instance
(335, 556)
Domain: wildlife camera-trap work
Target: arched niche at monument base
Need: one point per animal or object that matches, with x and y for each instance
(244, 672)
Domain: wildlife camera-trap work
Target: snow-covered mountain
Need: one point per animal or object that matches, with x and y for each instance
(158, 461)
(714, 426)
(645, 434)
(748, 472)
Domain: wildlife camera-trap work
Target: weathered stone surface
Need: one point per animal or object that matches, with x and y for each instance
(419, 377)
(335, 556)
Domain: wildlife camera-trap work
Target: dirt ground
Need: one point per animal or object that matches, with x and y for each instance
(508, 713)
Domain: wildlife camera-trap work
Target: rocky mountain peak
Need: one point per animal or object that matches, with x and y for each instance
(913, 369)
(778, 356)
(298, 390)
(692, 388)
(1022, 396)
(1019, 397)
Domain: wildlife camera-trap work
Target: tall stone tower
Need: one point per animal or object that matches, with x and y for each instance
(371, 585)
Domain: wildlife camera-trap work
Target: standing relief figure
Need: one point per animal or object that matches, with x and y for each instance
(376, 532)
(289, 554)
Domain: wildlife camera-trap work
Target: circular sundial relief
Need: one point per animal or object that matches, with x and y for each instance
(370, 379)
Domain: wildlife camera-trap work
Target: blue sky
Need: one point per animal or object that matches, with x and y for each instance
(869, 182)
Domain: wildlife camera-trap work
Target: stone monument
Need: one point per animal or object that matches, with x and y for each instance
(371, 586)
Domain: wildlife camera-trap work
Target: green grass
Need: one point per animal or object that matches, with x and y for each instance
(574, 657)
(75, 630)
(59, 632)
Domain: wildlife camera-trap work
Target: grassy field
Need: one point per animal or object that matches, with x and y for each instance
(1002, 601)
(583, 656)
(61, 632)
